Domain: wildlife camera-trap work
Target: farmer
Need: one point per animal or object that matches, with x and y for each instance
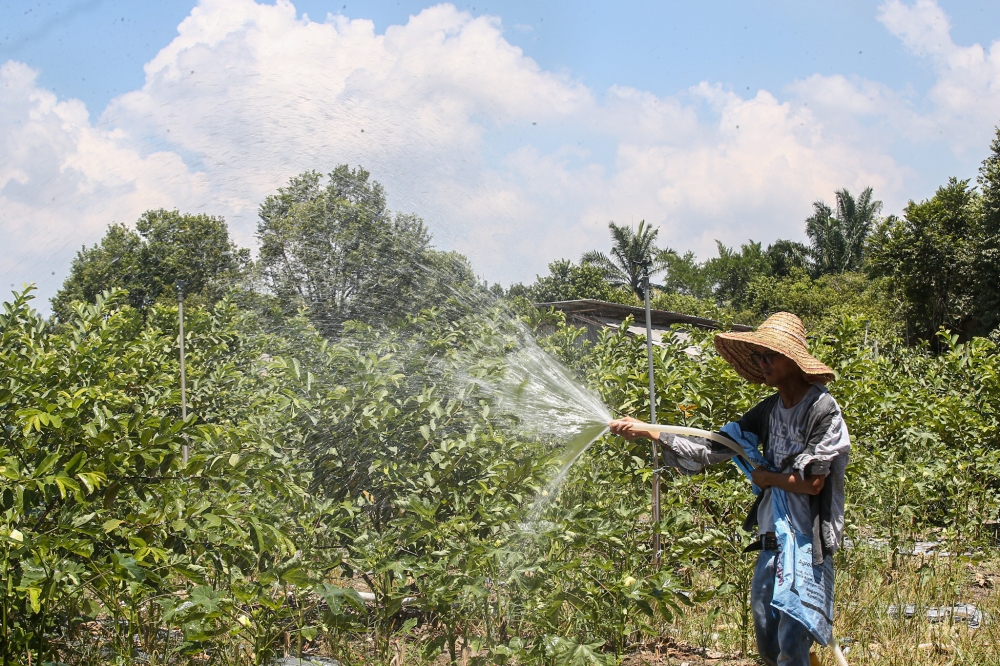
(802, 435)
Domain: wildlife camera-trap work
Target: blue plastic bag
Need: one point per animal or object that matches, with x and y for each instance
(802, 591)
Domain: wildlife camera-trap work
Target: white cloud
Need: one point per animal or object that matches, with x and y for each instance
(248, 95)
(960, 110)
(256, 95)
(966, 95)
(957, 114)
(753, 173)
(923, 26)
(63, 180)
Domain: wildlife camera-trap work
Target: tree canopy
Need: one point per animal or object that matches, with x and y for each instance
(987, 265)
(567, 281)
(930, 254)
(166, 248)
(838, 238)
(331, 246)
(336, 250)
(747, 283)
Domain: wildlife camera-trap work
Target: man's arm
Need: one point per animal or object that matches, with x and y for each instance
(632, 428)
(790, 482)
(690, 455)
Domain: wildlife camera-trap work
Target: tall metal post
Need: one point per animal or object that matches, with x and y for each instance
(180, 322)
(652, 419)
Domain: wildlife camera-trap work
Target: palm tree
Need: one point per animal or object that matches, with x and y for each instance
(826, 245)
(838, 238)
(631, 250)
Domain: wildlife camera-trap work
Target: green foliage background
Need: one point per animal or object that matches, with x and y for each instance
(371, 463)
(356, 488)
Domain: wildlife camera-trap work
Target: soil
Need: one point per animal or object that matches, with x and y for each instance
(677, 653)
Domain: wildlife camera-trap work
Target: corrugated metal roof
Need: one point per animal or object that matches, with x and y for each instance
(659, 318)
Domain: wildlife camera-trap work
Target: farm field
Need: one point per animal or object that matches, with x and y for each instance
(411, 466)
(255, 546)
(405, 333)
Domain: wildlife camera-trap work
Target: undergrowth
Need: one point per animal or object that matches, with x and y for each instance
(366, 498)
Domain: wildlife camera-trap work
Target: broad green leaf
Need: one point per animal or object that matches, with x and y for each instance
(111, 524)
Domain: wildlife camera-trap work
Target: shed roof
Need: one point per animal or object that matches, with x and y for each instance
(659, 318)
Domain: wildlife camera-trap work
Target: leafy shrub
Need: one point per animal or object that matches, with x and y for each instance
(379, 461)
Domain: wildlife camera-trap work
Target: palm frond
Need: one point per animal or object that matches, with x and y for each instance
(613, 273)
(631, 249)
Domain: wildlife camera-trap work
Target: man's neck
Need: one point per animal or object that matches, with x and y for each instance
(793, 391)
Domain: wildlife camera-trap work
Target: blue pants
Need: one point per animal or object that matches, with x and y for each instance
(781, 641)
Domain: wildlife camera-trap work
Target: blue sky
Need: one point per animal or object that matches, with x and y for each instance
(95, 49)
(517, 129)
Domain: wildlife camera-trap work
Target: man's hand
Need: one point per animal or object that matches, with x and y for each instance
(761, 478)
(631, 428)
(792, 483)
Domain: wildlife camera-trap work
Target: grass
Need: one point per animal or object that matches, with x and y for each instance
(871, 580)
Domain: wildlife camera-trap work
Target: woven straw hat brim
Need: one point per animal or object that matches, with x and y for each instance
(736, 348)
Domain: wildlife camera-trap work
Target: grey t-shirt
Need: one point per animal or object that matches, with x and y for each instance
(789, 437)
(788, 442)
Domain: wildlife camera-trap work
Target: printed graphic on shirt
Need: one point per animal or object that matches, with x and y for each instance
(788, 436)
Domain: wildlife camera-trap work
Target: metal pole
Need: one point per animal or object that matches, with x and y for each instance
(652, 419)
(180, 321)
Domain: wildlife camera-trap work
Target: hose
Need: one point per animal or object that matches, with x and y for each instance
(695, 432)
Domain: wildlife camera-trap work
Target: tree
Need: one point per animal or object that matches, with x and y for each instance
(685, 275)
(838, 238)
(630, 250)
(567, 281)
(824, 302)
(732, 271)
(986, 271)
(721, 284)
(785, 256)
(930, 255)
(338, 251)
(166, 248)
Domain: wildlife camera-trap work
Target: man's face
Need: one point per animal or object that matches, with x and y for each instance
(775, 367)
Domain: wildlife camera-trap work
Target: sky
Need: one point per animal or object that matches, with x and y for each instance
(517, 130)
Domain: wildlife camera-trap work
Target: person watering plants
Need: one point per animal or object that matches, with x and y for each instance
(797, 447)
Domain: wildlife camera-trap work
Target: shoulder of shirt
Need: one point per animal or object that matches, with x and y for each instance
(824, 401)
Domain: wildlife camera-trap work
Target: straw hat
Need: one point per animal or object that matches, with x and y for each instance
(784, 333)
